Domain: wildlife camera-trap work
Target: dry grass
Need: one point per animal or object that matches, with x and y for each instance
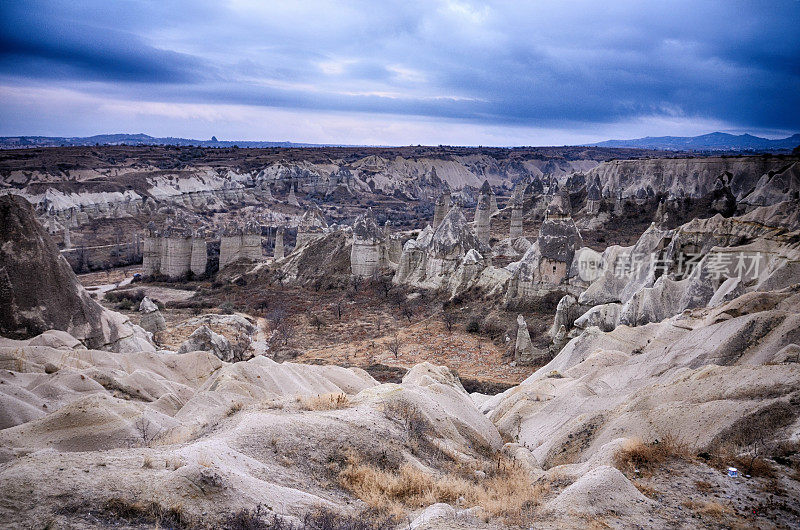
(205, 460)
(333, 401)
(704, 486)
(147, 463)
(414, 423)
(646, 490)
(149, 514)
(638, 456)
(711, 509)
(174, 463)
(752, 463)
(507, 492)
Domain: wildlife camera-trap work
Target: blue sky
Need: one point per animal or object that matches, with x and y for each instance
(406, 72)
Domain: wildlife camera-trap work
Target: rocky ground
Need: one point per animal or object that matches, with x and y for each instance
(287, 394)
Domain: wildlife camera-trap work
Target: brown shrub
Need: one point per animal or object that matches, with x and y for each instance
(711, 509)
(646, 490)
(412, 419)
(148, 513)
(332, 401)
(507, 493)
(636, 454)
(703, 485)
(748, 463)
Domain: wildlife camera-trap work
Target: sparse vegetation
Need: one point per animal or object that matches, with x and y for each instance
(414, 423)
(506, 492)
(637, 457)
(449, 320)
(394, 346)
(126, 300)
(325, 402)
(712, 509)
(146, 430)
(260, 518)
(143, 513)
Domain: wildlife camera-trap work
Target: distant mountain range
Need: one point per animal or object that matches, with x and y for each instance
(715, 141)
(13, 142)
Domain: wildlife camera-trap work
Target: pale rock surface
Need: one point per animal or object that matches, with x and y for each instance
(603, 316)
(56, 300)
(682, 177)
(203, 339)
(432, 513)
(369, 250)
(54, 338)
(446, 406)
(152, 320)
(775, 186)
(617, 381)
(430, 260)
(603, 490)
(523, 348)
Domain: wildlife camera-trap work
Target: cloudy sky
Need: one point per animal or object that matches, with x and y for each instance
(383, 72)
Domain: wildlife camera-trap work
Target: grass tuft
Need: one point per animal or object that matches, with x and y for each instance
(333, 401)
(637, 456)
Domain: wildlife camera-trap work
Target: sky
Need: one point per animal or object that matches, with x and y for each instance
(454, 72)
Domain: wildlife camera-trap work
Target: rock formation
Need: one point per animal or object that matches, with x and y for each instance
(278, 252)
(39, 291)
(686, 177)
(203, 339)
(594, 196)
(524, 352)
(431, 259)
(292, 198)
(548, 262)
(152, 320)
(776, 185)
(369, 252)
(705, 260)
(441, 208)
(238, 243)
(483, 215)
(174, 251)
(516, 217)
(312, 225)
(199, 261)
(266, 187)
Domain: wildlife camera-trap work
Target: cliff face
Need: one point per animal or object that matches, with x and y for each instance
(683, 177)
(39, 291)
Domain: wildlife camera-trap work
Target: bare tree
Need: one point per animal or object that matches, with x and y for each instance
(449, 320)
(384, 285)
(370, 357)
(394, 345)
(317, 321)
(276, 316)
(285, 331)
(407, 311)
(338, 308)
(146, 430)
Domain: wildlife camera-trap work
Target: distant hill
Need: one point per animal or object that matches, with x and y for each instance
(716, 141)
(14, 142)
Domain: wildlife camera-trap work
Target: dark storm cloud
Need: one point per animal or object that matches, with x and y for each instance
(35, 43)
(545, 63)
